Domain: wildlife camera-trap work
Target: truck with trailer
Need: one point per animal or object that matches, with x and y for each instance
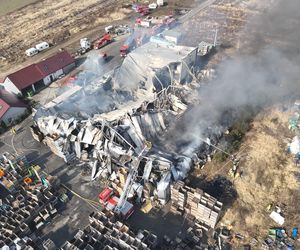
(85, 46)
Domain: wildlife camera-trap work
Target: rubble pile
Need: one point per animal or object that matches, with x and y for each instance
(106, 232)
(199, 205)
(129, 109)
(107, 146)
(29, 201)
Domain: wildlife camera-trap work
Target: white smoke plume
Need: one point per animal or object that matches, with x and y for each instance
(269, 75)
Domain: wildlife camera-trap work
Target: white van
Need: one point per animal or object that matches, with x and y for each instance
(109, 28)
(31, 52)
(42, 46)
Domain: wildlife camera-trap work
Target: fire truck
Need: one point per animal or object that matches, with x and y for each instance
(103, 41)
(111, 200)
(142, 9)
(141, 36)
(124, 50)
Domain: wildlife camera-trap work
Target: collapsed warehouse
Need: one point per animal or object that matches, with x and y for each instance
(107, 122)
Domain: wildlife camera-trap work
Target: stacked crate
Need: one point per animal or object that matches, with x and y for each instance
(27, 207)
(106, 232)
(209, 210)
(56, 145)
(177, 197)
(195, 203)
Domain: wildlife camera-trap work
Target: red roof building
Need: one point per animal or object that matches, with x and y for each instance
(55, 63)
(10, 107)
(3, 108)
(38, 75)
(26, 77)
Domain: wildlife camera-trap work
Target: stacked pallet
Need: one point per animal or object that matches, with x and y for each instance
(178, 197)
(27, 207)
(56, 144)
(208, 210)
(106, 232)
(196, 204)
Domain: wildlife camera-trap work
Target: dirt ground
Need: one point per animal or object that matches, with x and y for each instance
(267, 178)
(267, 170)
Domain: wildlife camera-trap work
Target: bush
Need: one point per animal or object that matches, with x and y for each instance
(235, 137)
(220, 157)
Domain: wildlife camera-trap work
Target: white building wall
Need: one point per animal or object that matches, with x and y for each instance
(52, 77)
(57, 74)
(12, 114)
(186, 65)
(10, 87)
(47, 80)
(173, 39)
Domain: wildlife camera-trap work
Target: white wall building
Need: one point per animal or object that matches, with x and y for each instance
(36, 76)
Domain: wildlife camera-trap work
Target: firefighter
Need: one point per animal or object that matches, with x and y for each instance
(13, 130)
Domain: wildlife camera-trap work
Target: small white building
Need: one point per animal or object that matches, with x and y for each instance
(172, 36)
(36, 76)
(11, 108)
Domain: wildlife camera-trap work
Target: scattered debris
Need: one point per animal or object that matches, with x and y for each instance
(278, 239)
(277, 217)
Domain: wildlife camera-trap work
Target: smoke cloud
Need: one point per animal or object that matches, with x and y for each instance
(269, 74)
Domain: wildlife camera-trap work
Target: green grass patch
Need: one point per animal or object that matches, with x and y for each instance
(237, 132)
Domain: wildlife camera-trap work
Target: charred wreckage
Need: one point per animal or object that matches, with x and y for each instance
(107, 122)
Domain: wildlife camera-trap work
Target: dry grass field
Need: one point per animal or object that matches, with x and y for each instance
(12, 5)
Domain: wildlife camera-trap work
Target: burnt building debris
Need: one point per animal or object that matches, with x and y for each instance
(107, 143)
(106, 232)
(106, 123)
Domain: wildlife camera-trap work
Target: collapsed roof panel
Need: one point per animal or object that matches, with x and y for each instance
(111, 129)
